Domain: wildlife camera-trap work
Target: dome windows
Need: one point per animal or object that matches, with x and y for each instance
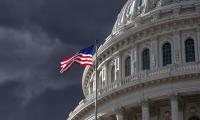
(146, 59)
(189, 50)
(112, 74)
(146, 56)
(166, 54)
(128, 66)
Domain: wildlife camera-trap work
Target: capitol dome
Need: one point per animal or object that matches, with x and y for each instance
(129, 12)
(148, 68)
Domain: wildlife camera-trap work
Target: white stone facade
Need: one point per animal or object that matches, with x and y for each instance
(149, 67)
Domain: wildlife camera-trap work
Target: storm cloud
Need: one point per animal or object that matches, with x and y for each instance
(34, 36)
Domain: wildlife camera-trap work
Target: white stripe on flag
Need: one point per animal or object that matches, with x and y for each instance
(66, 68)
(72, 58)
(84, 58)
(85, 55)
(81, 62)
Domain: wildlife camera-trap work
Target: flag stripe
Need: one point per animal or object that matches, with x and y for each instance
(68, 60)
(89, 55)
(67, 67)
(77, 56)
(85, 58)
(82, 62)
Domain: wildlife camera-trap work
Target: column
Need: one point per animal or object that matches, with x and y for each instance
(120, 72)
(117, 67)
(106, 74)
(176, 58)
(145, 110)
(137, 63)
(119, 113)
(133, 60)
(120, 66)
(99, 79)
(174, 107)
(154, 54)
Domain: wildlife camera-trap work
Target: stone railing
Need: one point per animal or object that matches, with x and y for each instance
(145, 76)
(138, 78)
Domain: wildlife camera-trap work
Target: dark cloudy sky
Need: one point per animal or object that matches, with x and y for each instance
(34, 36)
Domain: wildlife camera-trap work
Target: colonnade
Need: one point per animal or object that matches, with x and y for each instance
(119, 113)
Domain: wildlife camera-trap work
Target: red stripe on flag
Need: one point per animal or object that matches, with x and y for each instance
(82, 59)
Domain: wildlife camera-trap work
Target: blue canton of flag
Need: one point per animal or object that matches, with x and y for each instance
(88, 50)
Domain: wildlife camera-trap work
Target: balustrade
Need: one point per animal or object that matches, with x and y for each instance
(145, 76)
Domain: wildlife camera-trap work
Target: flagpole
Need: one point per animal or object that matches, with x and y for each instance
(96, 93)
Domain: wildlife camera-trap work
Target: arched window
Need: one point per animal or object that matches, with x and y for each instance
(194, 118)
(113, 74)
(128, 66)
(146, 59)
(189, 50)
(166, 52)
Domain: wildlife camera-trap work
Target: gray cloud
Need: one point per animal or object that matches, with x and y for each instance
(27, 58)
(34, 36)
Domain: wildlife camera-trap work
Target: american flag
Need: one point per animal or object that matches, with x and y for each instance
(84, 58)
